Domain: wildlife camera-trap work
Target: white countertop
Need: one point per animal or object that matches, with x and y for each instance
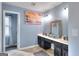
(60, 40)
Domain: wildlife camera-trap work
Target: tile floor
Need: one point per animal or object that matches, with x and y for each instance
(32, 51)
(35, 49)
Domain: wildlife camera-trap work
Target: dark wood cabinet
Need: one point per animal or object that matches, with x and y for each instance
(39, 41)
(65, 50)
(57, 51)
(43, 43)
(59, 48)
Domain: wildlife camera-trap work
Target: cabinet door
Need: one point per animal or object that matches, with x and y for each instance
(46, 44)
(43, 43)
(65, 50)
(57, 49)
(39, 41)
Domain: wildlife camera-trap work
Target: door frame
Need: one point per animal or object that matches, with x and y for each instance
(18, 28)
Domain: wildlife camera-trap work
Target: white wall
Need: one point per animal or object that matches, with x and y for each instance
(0, 26)
(74, 29)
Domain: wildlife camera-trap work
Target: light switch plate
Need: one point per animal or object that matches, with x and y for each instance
(74, 32)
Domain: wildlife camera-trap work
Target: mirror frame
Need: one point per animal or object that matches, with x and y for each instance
(60, 29)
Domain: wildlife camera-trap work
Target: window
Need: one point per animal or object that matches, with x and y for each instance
(7, 26)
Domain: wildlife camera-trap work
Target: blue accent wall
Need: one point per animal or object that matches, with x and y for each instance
(56, 13)
(0, 26)
(28, 33)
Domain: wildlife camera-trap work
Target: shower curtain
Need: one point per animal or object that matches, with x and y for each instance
(9, 31)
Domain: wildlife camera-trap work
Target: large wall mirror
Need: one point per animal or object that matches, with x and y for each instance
(56, 28)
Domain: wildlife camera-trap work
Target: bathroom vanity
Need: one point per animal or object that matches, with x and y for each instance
(60, 45)
(55, 36)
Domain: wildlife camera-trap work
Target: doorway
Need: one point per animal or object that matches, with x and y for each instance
(11, 30)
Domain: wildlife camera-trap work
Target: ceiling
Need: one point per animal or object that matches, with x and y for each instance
(36, 6)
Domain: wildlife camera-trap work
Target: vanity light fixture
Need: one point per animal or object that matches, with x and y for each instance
(64, 12)
(65, 8)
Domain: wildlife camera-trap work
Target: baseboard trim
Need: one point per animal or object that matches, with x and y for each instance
(28, 47)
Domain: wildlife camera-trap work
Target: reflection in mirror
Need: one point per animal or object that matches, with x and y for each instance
(56, 28)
